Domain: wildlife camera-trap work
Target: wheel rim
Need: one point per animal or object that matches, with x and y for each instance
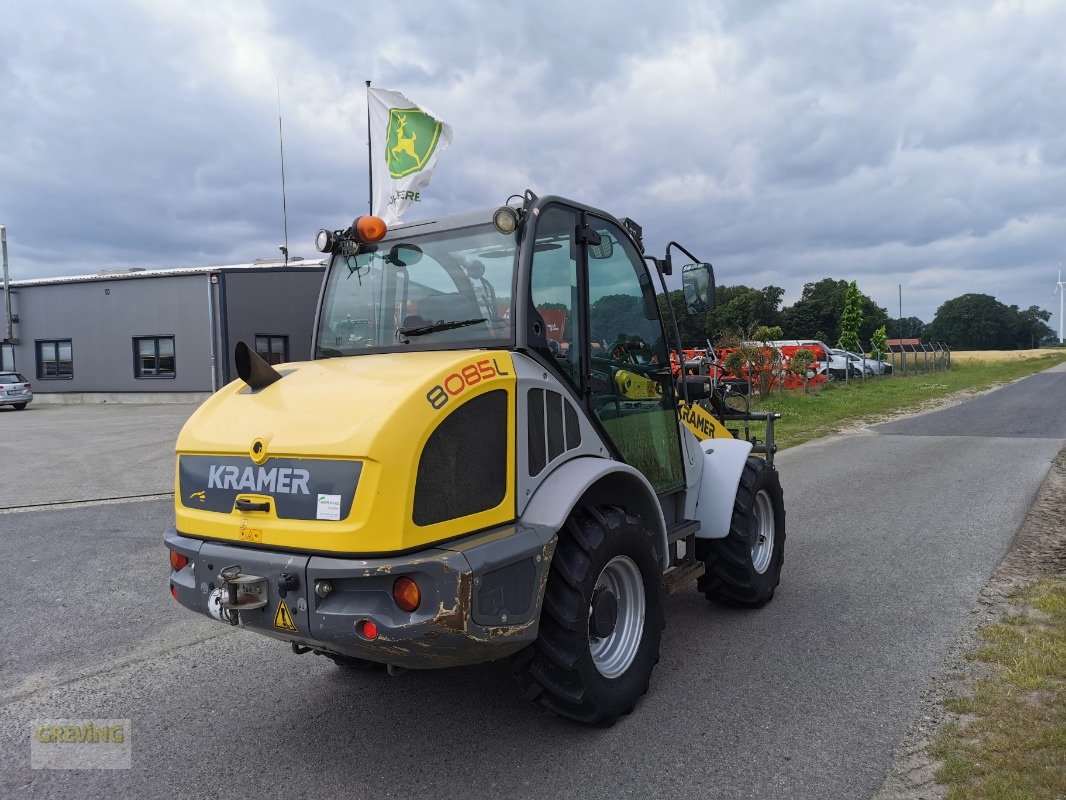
(613, 653)
(763, 549)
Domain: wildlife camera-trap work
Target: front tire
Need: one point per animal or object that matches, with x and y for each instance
(601, 623)
(744, 568)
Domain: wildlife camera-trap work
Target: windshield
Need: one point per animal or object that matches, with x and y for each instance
(447, 289)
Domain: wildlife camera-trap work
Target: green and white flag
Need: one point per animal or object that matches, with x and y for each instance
(405, 141)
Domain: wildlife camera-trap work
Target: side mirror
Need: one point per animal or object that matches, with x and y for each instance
(404, 255)
(698, 283)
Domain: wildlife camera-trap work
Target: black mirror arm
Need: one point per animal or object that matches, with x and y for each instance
(683, 250)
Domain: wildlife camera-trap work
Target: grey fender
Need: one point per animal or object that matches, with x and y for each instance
(723, 464)
(601, 481)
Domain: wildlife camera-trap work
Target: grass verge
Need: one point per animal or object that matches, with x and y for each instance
(1011, 738)
(836, 406)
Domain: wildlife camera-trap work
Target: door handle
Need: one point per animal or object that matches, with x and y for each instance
(251, 505)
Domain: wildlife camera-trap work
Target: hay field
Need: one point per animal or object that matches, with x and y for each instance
(1000, 356)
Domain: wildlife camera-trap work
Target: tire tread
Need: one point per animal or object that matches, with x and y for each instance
(548, 671)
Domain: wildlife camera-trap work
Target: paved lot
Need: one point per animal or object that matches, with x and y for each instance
(54, 453)
(891, 535)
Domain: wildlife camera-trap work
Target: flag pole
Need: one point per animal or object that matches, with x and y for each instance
(369, 153)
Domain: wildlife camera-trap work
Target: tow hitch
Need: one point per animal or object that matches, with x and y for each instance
(240, 593)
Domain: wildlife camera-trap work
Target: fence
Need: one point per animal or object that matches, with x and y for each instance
(923, 356)
(905, 358)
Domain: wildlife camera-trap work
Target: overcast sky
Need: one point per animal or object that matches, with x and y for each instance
(921, 143)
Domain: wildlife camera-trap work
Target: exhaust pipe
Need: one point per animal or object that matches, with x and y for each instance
(253, 369)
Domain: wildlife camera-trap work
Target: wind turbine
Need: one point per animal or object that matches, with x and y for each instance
(1060, 290)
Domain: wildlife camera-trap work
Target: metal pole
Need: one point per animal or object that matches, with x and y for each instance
(369, 153)
(284, 206)
(1060, 287)
(902, 357)
(211, 278)
(8, 334)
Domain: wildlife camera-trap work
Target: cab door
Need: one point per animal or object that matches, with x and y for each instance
(630, 388)
(593, 295)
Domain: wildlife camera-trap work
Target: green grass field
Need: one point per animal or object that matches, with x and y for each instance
(832, 408)
(1011, 743)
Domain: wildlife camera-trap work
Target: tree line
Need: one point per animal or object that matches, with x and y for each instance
(967, 322)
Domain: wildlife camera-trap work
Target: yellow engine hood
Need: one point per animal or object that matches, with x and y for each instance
(377, 409)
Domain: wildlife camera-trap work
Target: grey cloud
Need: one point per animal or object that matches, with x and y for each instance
(914, 143)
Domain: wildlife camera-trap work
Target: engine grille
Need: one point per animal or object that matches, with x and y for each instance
(463, 467)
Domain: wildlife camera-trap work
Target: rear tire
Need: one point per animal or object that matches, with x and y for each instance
(581, 667)
(744, 568)
(19, 406)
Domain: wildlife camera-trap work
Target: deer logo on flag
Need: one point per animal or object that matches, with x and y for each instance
(412, 138)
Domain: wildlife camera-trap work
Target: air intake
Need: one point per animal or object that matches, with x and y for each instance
(553, 428)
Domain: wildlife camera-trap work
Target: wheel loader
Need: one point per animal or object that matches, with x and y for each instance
(488, 458)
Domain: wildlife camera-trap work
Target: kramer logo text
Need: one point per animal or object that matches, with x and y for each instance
(276, 480)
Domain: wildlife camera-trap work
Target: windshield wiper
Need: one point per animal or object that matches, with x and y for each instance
(434, 327)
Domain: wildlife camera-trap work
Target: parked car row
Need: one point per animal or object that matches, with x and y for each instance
(14, 390)
(838, 364)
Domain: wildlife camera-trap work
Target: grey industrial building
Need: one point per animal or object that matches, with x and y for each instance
(134, 332)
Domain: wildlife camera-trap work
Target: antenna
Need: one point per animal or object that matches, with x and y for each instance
(284, 207)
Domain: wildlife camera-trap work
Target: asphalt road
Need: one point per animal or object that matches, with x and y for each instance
(891, 535)
(51, 453)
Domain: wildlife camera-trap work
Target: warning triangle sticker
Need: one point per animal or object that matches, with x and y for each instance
(283, 619)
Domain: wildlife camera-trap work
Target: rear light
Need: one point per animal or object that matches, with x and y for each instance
(27, 386)
(174, 591)
(177, 560)
(369, 629)
(406, 594)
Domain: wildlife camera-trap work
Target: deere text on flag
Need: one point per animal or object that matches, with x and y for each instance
(405, 141)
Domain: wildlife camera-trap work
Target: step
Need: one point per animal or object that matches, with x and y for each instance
(682, 529)
(682, 575)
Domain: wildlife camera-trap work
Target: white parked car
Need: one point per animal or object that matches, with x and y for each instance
(873, 366)
(844, 364)
(14, 390)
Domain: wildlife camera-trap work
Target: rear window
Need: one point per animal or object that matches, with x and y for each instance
(11, 377)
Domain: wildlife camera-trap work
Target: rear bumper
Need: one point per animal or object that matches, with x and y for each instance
(481, 596)
(12, 399)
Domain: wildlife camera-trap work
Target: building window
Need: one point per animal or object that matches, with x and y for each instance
(273, 349)
(55, 359)
(153, 357)
(7, 357)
